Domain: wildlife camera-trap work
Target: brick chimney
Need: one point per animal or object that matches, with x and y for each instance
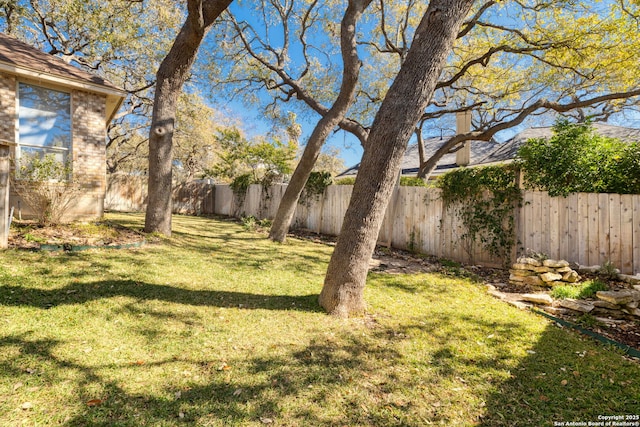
(463, 125)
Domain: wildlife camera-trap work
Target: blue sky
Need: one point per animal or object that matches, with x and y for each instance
(349, 146)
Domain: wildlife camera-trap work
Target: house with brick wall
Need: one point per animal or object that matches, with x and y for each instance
(49, 107)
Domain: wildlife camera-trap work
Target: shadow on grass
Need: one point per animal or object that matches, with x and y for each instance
(84, 292)
(362, 380)
(565, 378)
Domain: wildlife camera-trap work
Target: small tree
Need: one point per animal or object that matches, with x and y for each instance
(262, 162)
(46, 186)
(576, 159)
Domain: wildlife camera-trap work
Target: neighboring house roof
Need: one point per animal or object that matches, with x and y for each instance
(485, 153)
(507, 152)
(411, 160)
(23, 60)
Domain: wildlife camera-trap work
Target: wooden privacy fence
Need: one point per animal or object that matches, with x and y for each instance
(588, 229)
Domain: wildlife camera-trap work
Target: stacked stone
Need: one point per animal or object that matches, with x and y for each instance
(548, 273)
(616, 303)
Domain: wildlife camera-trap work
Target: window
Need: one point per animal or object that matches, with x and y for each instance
(44, 123)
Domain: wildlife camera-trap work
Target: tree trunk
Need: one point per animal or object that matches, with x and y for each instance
(429, 165)
(329, 121)
(172, 73)
(342, 293)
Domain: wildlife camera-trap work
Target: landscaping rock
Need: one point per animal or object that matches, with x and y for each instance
(555, 310)
(634, 280)
(550, 277)
(576, 305)
(519, 304)
(609, 321)
(605, 304)
(524, 267)
(557, 283)
(533, 281)
(618, 314)
(374, 263)
(543, 299)
(616, 297)
(588, 269)
(530, 261)
(521, 272)
(571, 277)
(556, 273)
(496, 293)
(514, 278)
(555, 263)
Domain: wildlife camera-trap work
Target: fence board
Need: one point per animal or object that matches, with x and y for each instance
(626, 233)
(407, 219)
(433, 211)
(593, 229)
(563, 224)
(604, 230)
(614, 230)
(573, 219)
(224, 200)
(536, 219)
(636, 234)
(554, 233)
(584, 228)
(447, 231)
(543, 223)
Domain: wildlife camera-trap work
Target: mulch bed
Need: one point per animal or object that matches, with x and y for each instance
(32, 236)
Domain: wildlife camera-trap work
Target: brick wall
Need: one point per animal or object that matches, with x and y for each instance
(7, 108)
(88, 115)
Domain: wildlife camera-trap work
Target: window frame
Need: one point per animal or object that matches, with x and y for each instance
(67, 150)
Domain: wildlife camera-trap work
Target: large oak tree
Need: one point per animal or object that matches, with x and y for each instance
(171, 76)
(332, 118)
(403, 105)
(512, 61)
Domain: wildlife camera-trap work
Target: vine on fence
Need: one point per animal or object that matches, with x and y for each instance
(239, 186)
(484, 200)
(315, 186)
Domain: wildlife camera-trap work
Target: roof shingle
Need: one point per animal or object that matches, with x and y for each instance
(21, 55)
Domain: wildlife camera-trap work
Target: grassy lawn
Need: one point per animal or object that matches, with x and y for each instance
(219, 326)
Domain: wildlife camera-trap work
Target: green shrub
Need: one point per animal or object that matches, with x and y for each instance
(249, 223)
(608, 271)
(47, 186)
(318, 182)
(576, 159)
(345, 181)
(241, 183)
(579, 291)
(412, 181)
